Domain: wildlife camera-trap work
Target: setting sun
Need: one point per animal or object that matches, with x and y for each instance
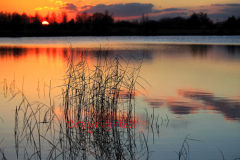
(45, 23)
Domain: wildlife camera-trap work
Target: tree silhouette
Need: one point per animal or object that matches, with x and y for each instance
(36, 21)
(53, 18)
(104, 24)
(16, 22)
(172, 23)
(64, 24)
(64, 17)
(231, 23)
(198, 21)
(101, 22)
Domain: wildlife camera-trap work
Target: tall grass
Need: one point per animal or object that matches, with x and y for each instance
(92, 94)
(2, 154)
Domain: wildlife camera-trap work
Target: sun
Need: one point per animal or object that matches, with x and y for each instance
(45, 23)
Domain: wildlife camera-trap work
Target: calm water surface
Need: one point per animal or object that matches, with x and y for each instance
(192, 81)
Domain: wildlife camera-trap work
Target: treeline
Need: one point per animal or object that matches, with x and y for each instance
(22, 22)
(104, 22)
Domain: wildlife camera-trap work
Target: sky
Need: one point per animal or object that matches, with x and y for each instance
(125, 9)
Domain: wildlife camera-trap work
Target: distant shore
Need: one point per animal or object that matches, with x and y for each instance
(117, 33)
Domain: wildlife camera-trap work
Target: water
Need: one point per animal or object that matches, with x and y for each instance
(100, 40)
(190, 81)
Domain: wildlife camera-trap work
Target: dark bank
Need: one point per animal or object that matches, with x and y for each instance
(103, 24)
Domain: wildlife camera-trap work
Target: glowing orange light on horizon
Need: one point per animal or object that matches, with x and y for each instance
(45, 23)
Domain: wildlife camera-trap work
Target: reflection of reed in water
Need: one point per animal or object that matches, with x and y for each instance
(91, 95)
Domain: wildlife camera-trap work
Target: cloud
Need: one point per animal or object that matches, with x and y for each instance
(217, 4)
(169, 14)
(225, 11)
(157, 11)
(70, 7)
(133, 10)
(203, 10)
(38, 9)
(122, 10)
(86, 7)
(220, 11)
(227, 4)
(48, 8)
(59, 3)
(53, 8)
(232, 10)
(228, 9)
(172, 9)
(168, 10)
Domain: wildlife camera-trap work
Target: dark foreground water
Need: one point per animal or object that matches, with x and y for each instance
(191, 85)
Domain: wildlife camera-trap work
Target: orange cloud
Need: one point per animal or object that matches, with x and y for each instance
(59, 3)
(45, 8)
(37, 9)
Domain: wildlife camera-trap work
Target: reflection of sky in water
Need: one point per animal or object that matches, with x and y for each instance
(196, 86)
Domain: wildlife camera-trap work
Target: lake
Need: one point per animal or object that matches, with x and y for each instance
(186, 86)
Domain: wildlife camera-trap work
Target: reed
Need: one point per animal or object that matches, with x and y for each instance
(2, 154)
(96, 98)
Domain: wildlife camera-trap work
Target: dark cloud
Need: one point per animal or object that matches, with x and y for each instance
(228, 4)
(172, 9)
(86, 6)
(123, 10)
(137, 9)
(133, 9)
(226, 10)
(203, 10)
(171, 15)
(217, 4)
(224, 16)
(157, 11)
(168, 10)
(232, 10)
(70, 7)
(174, 14)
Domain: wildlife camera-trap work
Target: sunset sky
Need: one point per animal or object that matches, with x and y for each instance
(123, 9)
